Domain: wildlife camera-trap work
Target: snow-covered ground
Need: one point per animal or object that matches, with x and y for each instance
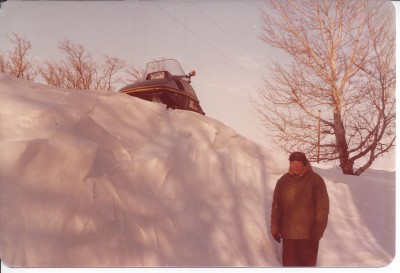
(104, 179)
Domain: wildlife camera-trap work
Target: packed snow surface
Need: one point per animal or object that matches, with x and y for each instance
(104, 179)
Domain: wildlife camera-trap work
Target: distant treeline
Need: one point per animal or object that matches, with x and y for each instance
(76, 69)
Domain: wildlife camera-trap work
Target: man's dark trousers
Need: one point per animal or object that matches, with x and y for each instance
(299, 252)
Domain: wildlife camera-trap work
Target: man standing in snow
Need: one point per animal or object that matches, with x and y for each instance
(299, 212)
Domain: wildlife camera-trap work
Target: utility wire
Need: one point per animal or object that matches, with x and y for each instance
(201, 38)
(224, 31)
(219, 27)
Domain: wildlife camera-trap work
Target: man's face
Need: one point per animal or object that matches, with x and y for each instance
(296, 167)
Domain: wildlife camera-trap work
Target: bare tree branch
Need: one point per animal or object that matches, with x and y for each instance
(17, 63)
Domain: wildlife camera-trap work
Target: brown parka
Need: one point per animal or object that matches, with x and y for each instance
(300, 205)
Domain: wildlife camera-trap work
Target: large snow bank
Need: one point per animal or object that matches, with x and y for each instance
(104, 179)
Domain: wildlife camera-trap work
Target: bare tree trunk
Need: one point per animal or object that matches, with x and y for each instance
(341, 144)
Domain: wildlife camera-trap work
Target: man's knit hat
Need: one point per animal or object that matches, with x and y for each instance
(298, 156)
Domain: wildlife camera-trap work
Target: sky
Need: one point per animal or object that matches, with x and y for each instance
(218, 39)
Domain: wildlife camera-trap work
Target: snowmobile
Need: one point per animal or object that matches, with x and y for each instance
(164, 81)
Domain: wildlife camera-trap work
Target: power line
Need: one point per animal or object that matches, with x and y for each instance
(201, 38)
(219, 27)
(226, 33)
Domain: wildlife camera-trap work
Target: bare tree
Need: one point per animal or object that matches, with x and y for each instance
(78, 70)
(133, 74)
(106, 77)
(340, 76)
(18, 63)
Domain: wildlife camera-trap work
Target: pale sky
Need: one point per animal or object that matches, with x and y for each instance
(218, 39)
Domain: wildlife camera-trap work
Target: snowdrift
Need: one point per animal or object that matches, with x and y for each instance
(105, 179)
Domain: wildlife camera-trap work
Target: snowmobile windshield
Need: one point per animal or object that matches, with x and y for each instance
(170, 65)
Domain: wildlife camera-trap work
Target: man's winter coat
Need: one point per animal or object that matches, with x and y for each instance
(300, 206)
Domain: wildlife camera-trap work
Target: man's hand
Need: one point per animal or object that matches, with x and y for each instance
(277, 236)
